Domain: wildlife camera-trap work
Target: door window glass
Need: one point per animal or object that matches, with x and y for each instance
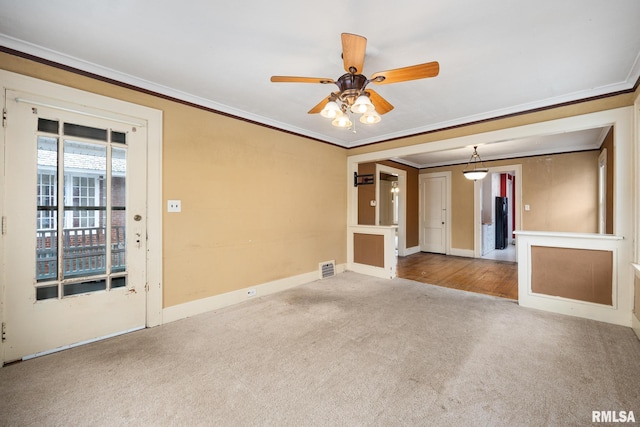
(92, 217)
(47, 211)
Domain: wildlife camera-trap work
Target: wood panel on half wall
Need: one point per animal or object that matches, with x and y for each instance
(578, 274)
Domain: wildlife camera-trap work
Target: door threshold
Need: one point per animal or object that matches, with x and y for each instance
(77, 344)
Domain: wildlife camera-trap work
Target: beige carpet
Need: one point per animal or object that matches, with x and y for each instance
(345, 351)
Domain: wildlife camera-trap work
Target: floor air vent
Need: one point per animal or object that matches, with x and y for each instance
(327, 269)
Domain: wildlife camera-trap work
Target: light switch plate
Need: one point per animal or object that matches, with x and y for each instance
(174, 206)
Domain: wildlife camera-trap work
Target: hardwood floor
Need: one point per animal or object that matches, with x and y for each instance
(498, 278)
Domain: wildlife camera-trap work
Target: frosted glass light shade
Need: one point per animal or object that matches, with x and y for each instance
(330, 110)
(362, 105)
(342, 121)
(475, 174)
(370, 118)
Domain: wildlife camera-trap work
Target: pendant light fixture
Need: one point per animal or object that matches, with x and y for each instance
(475, 169)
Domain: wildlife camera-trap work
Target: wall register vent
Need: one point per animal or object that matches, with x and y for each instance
(327, 269)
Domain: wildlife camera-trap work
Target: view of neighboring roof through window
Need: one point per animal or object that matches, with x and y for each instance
(80, 131)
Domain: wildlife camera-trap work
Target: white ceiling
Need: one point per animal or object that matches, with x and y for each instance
(588, 139)
(496, 57)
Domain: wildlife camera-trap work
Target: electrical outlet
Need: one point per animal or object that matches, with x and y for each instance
(251, 293)
(174, 206)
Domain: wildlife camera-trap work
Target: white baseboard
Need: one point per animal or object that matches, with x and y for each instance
(469, 253)
(411, 251)
(635, 324)
(216, 302)
(575, 308)
(370, 270)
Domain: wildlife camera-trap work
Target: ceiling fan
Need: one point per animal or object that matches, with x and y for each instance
(352, 94)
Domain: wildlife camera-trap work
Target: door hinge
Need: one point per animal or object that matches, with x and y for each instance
(4, 117)
(4, 225)
(4, 332)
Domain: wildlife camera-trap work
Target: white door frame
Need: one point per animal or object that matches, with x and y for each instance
(402, 209)
(90, 104)
(447, 190)
(477, 201)
(602, 192)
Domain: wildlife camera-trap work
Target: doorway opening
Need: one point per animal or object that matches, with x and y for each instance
(390, 209)
(497, 213)
(497, 207)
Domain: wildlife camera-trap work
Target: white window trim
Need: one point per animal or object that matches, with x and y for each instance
(55, 190)
(68, 197)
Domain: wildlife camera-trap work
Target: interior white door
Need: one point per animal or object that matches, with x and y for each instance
(433, 211)
(75, 235)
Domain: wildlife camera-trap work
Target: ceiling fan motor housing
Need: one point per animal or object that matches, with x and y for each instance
(351, 85)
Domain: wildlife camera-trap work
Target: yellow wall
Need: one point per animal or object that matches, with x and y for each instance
(561, 190)
(260, 204)
(257, 204)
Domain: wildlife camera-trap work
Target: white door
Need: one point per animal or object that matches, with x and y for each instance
(433, 214)
(75, 228)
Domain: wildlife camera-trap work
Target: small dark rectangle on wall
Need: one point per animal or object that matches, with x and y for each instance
(579, 274)
(367, 179)
(368, 249)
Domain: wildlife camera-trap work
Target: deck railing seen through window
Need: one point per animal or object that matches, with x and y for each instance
(84, 252)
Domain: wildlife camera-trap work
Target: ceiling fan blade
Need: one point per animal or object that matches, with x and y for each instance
(320, 105)
(353, 50)
(293, 79)
(414, 72)
(381, 104)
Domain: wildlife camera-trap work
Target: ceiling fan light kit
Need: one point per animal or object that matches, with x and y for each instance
(351, 96)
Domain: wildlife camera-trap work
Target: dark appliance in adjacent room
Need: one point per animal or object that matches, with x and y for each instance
(502, 222)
